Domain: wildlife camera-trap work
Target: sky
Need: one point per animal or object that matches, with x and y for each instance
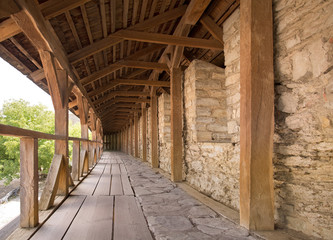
(15, 85)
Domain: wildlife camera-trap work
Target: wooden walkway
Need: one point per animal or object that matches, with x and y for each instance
(103, 206)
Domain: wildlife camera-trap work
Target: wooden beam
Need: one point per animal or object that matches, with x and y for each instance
(29, 182)
(212, 28)
(49, 9)
(169, 39)
(123, 63)
(112, 40)
(144, 133)
(194, 11)
(154, 130)
(121, 94)
(8, 7)
(176, 125)
(53, 8)
(256, 115)
(33, 24)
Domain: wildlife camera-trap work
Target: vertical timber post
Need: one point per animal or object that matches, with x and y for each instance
(257, 115)
(29, 182)
(154, 130)
(136, 136)
(176, 125)
(76, 161)
(144, 132)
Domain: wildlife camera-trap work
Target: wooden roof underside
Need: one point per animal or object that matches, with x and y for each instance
(117, 48)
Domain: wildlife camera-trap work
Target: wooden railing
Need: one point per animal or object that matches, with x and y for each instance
(82, 160)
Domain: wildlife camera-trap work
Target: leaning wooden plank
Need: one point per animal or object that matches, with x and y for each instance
(126, 185)
(56, 226)
(51, 184)
(84, 162)
(130, 222)
(116, 187)
(94, 220)
(115, 169)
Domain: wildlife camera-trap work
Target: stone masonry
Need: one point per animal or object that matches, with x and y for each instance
(164, 131)
(212, 160)
(303, 141)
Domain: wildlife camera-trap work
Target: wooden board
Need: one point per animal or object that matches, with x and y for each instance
(126, 185)
(94, 220)
(87, 187)
(130, 222)
(103, 186)
(58, 223)
(116, 186)
(122, 169)
(115, 169)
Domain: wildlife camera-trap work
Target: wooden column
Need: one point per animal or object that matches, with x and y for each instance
(127, 140)
(257, 115)
(154, 130)
(132, 138)
(136, 136)
(29, 182)
(57, 81)
(176, 125)
(144, 133)
(76, 161)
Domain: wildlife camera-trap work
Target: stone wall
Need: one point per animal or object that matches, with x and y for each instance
(164, 137)
(211, 159)
(303, 141)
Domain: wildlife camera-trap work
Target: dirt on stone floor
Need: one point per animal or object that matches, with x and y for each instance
(4, 189)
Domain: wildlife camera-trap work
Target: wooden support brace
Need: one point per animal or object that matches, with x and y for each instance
(84, 162)
(52, 182)
(136, 136)
(29, 182)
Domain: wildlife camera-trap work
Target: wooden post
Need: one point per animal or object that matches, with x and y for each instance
(176, 125)
(127, 140)
(132, 138)
(29, 182)
(136, 136)
(154, 130)
(57, 81)
(144, 133)
(256, 115)
(76, 161)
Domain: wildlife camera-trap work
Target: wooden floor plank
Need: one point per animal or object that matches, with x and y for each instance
(56, 226)
(103, 186)
(115, 169)
(107, 168)
(88, 185)
(116, 186)
(126, 185)
(122, 168)
(129, 220)
(94, 220)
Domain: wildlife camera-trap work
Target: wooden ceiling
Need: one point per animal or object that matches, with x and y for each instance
(118, 50)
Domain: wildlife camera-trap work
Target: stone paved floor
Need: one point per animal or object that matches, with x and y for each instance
(173, 214)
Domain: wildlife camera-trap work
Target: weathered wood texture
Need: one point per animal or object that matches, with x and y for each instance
(144, 133)
(257, 115)
(29, 182)
(176, 125)
(154, 131)
(76, 166)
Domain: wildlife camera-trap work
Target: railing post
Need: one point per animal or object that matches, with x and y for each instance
(29, 182)
(76, 161)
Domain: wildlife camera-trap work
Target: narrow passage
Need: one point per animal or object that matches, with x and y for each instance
(123, 198)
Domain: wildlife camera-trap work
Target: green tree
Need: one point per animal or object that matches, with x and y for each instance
(20, 113)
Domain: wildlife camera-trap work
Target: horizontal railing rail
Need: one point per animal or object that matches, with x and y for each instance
(6, 130)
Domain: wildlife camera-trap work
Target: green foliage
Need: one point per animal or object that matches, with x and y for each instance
(74, 130)
(20, 113)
